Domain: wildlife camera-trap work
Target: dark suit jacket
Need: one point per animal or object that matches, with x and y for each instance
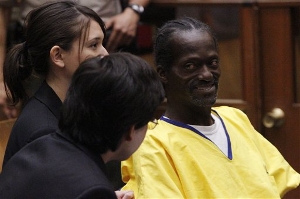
(39, 117)
(54, 166)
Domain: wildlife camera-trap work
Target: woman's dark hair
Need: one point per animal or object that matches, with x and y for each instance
(164, 38)
(107, 96)
(54, 23)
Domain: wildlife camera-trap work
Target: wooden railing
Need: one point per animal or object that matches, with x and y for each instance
(5, 129)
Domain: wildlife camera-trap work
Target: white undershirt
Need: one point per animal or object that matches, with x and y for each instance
(216, 133)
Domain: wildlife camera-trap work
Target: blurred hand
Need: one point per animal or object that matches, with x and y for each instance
(123, 28)
(124, 194)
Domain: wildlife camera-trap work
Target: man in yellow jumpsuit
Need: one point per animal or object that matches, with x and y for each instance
(196, 151)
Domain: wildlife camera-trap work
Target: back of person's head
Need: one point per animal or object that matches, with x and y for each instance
(164, 40)
(108, 96)
(53, 23)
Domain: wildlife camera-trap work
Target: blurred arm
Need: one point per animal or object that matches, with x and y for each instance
(124, 26)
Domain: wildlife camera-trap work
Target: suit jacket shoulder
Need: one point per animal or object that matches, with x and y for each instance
(39, 117)
(54, 166)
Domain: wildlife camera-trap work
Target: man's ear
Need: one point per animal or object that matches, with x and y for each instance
(56, 56)
(130, 134)
(162, 74)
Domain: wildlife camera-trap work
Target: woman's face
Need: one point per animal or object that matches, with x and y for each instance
(88, 46)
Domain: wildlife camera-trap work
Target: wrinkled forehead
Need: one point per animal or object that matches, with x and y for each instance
(191, 36)
(192, 40)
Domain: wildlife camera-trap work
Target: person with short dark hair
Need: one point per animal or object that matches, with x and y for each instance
(104, 117)
(197, 150)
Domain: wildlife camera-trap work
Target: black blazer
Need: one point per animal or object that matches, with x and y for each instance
(39, 117)
(54, 166)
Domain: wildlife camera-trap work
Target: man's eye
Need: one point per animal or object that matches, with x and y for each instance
(189, 66)
(215, 63)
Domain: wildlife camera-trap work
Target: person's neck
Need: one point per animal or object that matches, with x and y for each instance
(59, 86)
(200, 116)
(105, 157)
(108, 156)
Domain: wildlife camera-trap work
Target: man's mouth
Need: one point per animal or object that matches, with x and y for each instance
(204, 86)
